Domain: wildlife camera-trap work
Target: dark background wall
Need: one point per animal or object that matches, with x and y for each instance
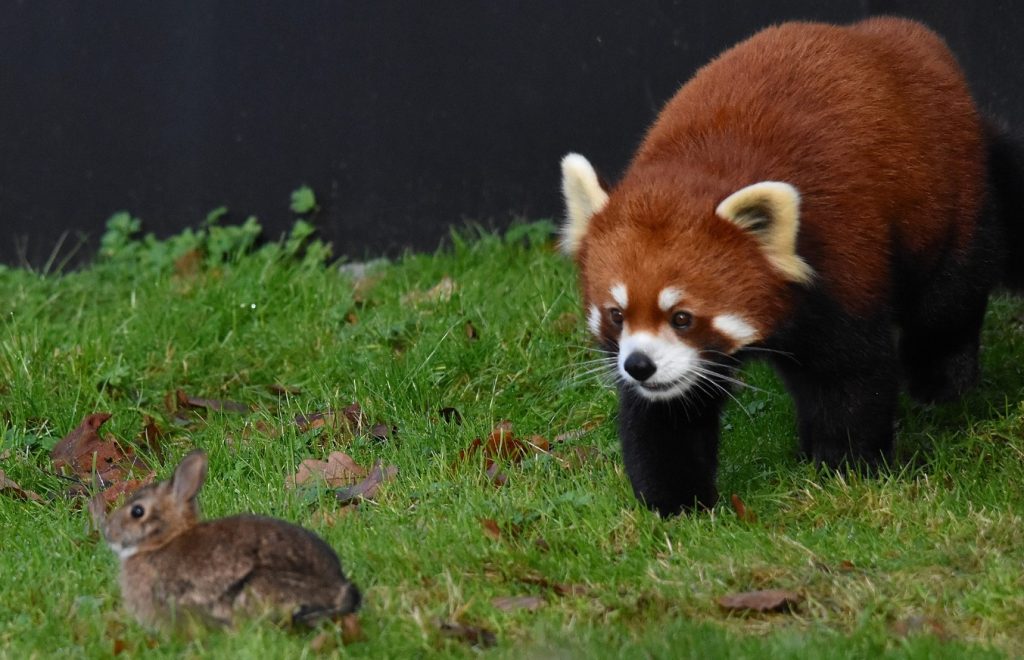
(404, 117)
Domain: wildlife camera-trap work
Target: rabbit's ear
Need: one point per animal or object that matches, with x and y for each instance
(189, 476)
(98, 510)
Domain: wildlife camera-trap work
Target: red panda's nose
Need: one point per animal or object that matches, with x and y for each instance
(639, 366)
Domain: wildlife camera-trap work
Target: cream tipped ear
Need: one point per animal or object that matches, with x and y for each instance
(583, 198)
(770, 210)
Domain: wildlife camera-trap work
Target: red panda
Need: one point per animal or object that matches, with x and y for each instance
(806, 194)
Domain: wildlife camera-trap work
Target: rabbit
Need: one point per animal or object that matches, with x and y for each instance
(172, 564)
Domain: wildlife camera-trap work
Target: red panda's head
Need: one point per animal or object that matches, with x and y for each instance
(676, 282)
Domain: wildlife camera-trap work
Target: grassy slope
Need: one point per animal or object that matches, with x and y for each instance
(940, 544)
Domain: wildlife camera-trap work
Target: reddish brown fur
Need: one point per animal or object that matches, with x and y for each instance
(850, 116)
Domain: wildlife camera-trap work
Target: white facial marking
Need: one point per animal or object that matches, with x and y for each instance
(123, 552)
(735, 328)
(594, 320)
(620, 295)
(673, 359)
(668, 298)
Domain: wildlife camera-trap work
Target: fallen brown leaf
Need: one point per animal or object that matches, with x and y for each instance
(473, 635)
(260, 427)
(502, 444)
(151, 436)
(558, 588)
(338, 470)
(440, 292)
(769, 600)
(742, 512)
(353, 413)
(189, 263)
(382, 432)
(283, 390)
(350, 420)
(10, 487)
(120, 646)
(491, 528)
(368, 487)
(351, 629)
(126, 488)
(82, 449)
(471, 332)
(494, 473)
(216, 405)
(510, 603)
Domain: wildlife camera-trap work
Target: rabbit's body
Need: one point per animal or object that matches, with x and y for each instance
(173, 565)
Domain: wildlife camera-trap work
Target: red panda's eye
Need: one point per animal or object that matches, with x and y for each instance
(681, 320)
(615, 315)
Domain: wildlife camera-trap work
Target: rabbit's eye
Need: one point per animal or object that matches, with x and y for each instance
(138, 511)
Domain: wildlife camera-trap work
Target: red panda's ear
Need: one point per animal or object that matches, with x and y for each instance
(770, 211)
(584, 197)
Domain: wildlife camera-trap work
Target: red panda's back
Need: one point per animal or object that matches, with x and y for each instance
(872, 123)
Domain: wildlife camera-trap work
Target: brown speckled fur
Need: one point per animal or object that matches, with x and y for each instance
(184, 570)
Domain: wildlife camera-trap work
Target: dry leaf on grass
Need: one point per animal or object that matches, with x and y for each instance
(381, 432)
(351, 629)
(350, 419)
(491, 528)
(216, 405)
(473, 635)
(284, 390)
(494, 473)
(440, 292)
(559, 588)
(510, 603)
(768, 600)
(338, 470)
(503, 444)
(151, 437)
(471, 331)
(126, 487)
(742, 512)
(82, 450)
(9, 487)
(186, 409)
(189, 263)
(368, 487)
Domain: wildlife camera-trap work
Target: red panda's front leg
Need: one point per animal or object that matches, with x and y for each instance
(670, 450)
(845, 418)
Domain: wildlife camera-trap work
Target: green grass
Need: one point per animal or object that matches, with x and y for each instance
(936, 547)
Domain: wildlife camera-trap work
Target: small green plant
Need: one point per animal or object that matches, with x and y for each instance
(122, 243)
(303, 200)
